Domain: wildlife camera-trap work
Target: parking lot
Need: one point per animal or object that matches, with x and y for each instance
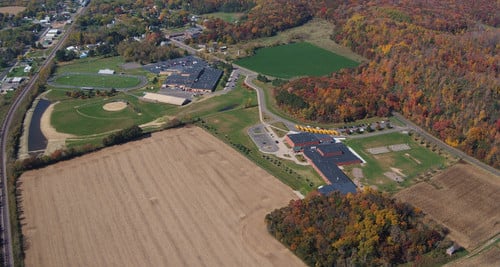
(263, 139)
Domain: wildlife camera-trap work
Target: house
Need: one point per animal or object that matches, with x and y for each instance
(54, 31)
(453, 249)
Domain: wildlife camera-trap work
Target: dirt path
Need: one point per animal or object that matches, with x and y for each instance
(55, 139)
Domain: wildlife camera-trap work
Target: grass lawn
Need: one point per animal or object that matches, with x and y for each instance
(17, 72)
(96, 80)
(237, 98)
(87, 117)
(296, 59)
(411, 163)
(231, 127)
(229, 17)
(281, 129)
(94, 64)
(316, 31)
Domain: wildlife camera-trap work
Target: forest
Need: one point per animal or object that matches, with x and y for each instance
(364, 229)
(436, 62)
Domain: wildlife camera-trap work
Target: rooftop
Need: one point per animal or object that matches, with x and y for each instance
(328, 166)
(188, 72)
(305, 137)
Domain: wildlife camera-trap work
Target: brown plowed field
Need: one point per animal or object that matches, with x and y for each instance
(179, 198)
(464, 199)
(12, 10)
(489, 258)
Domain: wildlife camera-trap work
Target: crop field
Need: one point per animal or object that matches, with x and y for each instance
(464, 199)
(12, 10)
(406, 163)
(178, 198)
(490, 257)
(296, 59)
(97, 80)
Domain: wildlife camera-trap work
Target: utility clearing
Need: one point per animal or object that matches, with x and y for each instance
(178, 198)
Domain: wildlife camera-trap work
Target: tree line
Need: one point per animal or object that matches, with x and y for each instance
(363, 229)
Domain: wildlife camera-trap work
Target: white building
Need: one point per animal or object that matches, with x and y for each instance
(106, 71)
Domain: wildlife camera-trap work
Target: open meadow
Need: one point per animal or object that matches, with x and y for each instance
(296, 59)
(464, 199)
(178, 198)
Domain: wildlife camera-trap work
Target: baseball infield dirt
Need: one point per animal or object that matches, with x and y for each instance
(115, 106)
(178, 198)
(463, 198)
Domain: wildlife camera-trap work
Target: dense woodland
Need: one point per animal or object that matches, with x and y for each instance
(437, 62)
(364, 229)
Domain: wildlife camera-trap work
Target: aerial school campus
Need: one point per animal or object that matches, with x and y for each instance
(215, 159)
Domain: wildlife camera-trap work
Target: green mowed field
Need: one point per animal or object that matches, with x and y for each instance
(231, 126)
(87, 117)
(96, 80)
(226, 16)
(297, 59)
(417, 160)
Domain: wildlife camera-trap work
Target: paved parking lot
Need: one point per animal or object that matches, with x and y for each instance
(263, 139)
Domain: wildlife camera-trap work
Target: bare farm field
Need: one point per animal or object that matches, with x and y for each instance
(13, 10)
(464, 199)
(178, 198)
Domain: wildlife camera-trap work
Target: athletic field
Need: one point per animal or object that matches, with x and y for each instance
(297, 59)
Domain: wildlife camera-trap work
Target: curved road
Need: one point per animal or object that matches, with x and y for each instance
(250, 75)
(6, 236)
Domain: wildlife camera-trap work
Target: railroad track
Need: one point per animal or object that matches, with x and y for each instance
(6, 235)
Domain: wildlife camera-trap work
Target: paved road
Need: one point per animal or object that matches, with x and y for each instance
(4, 133)
(453, 151)
(251, 75)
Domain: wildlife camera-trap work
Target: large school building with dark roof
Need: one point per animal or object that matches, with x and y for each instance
(188, 73)
(326, 155)
(299, 141)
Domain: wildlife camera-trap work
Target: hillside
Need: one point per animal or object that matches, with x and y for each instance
(436, 63)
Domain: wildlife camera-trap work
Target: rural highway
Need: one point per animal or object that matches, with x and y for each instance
(6, 236)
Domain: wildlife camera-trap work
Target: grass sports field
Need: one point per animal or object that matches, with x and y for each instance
(296, 59)
(406, 163)
(96, 80)
(179, 198)
(87, 116)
